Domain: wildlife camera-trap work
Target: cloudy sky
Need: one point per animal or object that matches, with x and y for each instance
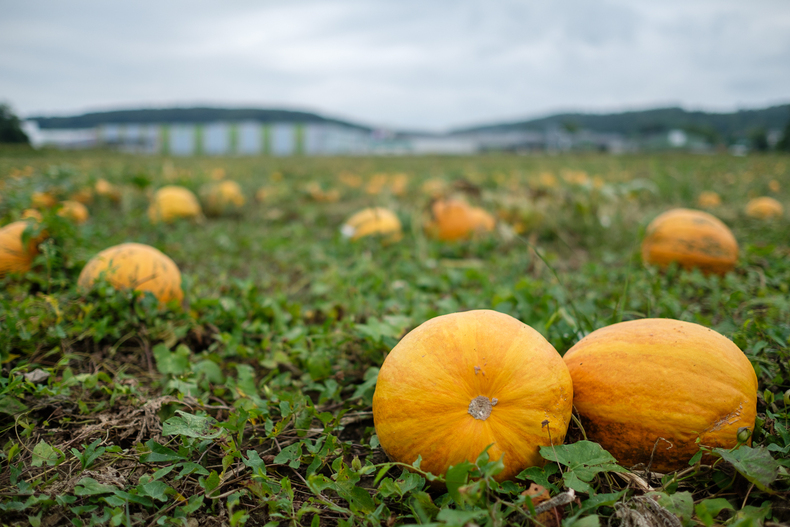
(430, 64)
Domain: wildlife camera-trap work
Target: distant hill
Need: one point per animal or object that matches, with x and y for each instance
(636, 123)
(186, 115)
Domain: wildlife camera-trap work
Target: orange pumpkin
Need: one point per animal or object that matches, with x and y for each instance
(455, 220)
(83, 195)
(106, 189)
(691, 238)
(74, 211)
(135, 266)
(221, 198)
(42, 200)
(764, 208)
(661, 382)
(14, 256)
(173, 202)
(708, 199)
(461, 382)
(373, 221)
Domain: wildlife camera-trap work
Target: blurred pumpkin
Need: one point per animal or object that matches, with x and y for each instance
(135, 266)
(764, 208)
(461, 382)
(399, 184)
(172, 202)
(455, 219)
(224, 197)
(661, 384)
(83, 195)
(693, 239)
(218, 174)
(74, 211)
(107, 190)
(708, 199)
(16, 257)
(376, 184)
(32, 214)
(317, 193)
(435, 188)
(42, 200)
(774, 185)
(373, 221)
(350, 179)
(265, 193)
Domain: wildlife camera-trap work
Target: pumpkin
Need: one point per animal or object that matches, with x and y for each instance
(14, 256)
(455, 219)
(42, 200)
(663, 383)
(172, 202)
(764, 208)
(222, 198)
(74, 211)
(708, 199)
(317, 193)
(435, 188)
(32, 214)
(107, 190)
(461, 382)
(135, 266)
(83, 195)
(372, 221)
(693, 239)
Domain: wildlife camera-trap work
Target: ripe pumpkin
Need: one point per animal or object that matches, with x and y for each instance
(74, 211)
(42, 200)
(764, 208)
(691, 238)
(14, 256)
(83, 195)
(708, 199)
(135, 266)
(455, 219)
(222, 198)
(106, 189)
(172, 202)
(460, 382)
(638, 381)
(372, 221)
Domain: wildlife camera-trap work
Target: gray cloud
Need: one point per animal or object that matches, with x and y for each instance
(406, 63)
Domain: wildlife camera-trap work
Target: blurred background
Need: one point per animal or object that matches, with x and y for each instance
(347, 76)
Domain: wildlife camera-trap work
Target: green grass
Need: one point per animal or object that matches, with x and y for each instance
(253, 403)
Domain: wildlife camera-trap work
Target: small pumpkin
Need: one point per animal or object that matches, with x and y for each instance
(135, 266)
(15, 257)
(74, 211)
(373, 221)
(454, 219)
(172, 202)
(461, 382)
(43, 200)
(693, 239)
(764, 208)
(661, 383)
(107, 190)
(223, 197)
(83, 195)
(708, 199)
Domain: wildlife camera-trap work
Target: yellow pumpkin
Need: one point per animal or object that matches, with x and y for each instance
(83, 195)
(172, 202)
(373, 221)
(107, 190)
(456, 220)
(435, 188)
(135, 266)
(708, 199)
(764, 208)
(691, 238)
(461, 382)
(32, 214)
(222, 197)
(42, 200)
(74, 211)
(14, 256)
(663, 383)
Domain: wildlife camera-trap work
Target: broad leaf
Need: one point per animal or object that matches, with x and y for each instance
(755, 464)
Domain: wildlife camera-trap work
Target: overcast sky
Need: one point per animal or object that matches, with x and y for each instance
(404, 63)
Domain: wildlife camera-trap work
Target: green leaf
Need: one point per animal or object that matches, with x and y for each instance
(588, 521)
(681, 504)
(189, 425)
(584, 460)
(707, 510)
(457, 476)
(541, 476)
(755, 464)
(290, 455)
(154, 489)
(91, 487)
(459, 518)
(10, 405)
(175, 363)
(160, 453)
(43, 453)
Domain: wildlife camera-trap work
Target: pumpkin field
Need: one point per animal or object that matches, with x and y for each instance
(464, 341)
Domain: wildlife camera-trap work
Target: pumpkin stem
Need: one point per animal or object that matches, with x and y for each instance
(481, 406)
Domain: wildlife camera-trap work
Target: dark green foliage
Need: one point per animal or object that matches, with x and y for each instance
(10, 127)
